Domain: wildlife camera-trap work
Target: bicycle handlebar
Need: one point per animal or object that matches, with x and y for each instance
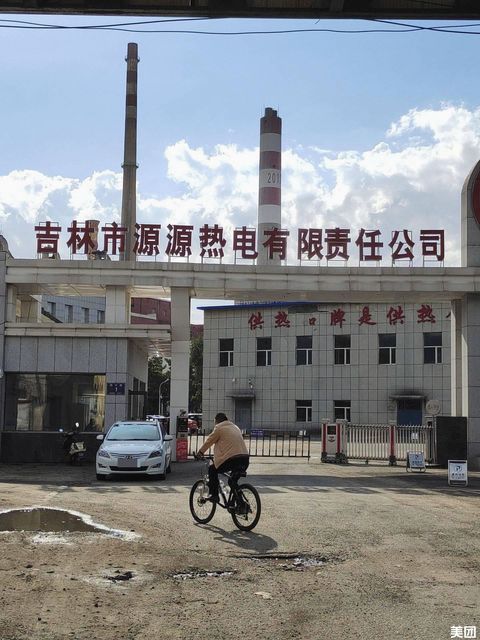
(202, 456)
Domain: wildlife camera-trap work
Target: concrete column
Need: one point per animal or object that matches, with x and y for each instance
(179, 379)
(116, 406)
(117, 305)
(3, 317)
(470, 316)
(470, 227)
(456, 357)
(471, 375)
(11, 302)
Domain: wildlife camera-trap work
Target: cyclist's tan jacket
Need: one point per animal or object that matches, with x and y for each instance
(228, 441)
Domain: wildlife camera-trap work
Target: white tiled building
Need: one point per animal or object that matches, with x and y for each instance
(290, 365)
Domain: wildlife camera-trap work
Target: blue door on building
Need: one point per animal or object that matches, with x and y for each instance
(409, 411)
(243, 413)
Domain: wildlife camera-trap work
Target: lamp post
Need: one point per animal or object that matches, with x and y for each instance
(160, 396)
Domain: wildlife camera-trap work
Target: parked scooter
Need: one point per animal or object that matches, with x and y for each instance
(74, 448)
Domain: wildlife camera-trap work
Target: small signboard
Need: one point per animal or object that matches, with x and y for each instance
(115, 388)
(416, 461)
(457, 472)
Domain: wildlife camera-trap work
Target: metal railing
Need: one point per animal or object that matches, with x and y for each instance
(368, 441)
(390, 442)
(265, 443)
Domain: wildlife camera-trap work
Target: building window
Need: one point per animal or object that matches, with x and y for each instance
(264, 352)
(304, 410)
(226, 352)
(304, 349)
(52, 308)
(69, 313)
(86, 315)
(432, 348)
(100, 316)
(342, 349)
(341, 410)
(387, 348)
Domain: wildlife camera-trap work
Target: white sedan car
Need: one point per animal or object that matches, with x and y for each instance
(134, 447)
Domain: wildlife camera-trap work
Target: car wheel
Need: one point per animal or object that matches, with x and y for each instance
(102, 476)
(169, 468)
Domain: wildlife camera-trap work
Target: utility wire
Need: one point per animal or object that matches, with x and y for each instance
(130, 27)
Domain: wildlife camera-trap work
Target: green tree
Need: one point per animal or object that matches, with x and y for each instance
(196, 375)
(158, 374)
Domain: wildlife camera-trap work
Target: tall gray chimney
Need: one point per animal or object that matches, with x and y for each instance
(270, 188)
(129, 193)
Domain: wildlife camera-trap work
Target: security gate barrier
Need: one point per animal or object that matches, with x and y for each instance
(266, 443)
(334, 442)
(390, 442)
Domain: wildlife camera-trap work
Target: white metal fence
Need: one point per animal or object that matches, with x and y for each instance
(389, 442)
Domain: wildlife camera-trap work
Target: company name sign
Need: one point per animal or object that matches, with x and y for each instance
(180, 240)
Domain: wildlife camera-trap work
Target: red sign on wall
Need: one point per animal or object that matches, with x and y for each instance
(182, 449)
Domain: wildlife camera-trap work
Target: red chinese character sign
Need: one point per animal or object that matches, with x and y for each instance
(369, 245)
(255, 321)
(245, 243)
(366, 317)
(433, 244)
(395, 315)
(80, 237)
(281, 319)
(312, 243)
(212, 241)
(337, 316)
(48, 235)
(114, 238)
(147, 239)
(425, 314)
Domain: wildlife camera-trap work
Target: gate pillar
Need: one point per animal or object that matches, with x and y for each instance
(180, 350)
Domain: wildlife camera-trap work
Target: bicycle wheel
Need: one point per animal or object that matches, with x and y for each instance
(247, 515)
(202, 510)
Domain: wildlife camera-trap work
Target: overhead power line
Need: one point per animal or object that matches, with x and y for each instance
(132, 27)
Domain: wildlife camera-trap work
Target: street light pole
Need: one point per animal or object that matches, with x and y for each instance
(160, 396)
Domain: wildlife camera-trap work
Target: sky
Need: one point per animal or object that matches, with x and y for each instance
(380, 130)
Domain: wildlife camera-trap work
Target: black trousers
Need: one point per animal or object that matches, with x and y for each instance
(238, 463)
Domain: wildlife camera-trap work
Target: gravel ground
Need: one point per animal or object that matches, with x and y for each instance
(348, 552)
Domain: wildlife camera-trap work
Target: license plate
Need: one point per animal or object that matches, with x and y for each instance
(127, 462)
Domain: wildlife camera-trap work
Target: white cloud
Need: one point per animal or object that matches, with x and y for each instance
(412, 178)
(98, 197)
(27, 194)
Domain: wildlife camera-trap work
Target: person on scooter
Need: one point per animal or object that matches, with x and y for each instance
(230, 452)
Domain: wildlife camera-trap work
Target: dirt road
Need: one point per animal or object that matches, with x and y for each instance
(347, 552)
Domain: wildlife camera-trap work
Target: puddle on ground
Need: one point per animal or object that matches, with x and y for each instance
(43, 519)
(196, 573)
(49, 520)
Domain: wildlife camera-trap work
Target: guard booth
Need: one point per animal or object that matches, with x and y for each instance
(182, 438)
(334, 442)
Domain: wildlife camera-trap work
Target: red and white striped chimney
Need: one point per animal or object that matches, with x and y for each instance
(270, 190)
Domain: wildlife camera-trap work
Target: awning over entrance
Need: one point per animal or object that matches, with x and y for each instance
(406, 396)
(242, 393)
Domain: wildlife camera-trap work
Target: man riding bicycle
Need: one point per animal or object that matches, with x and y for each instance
(229, 453)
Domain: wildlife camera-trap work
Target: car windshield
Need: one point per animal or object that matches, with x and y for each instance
(134, 431)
